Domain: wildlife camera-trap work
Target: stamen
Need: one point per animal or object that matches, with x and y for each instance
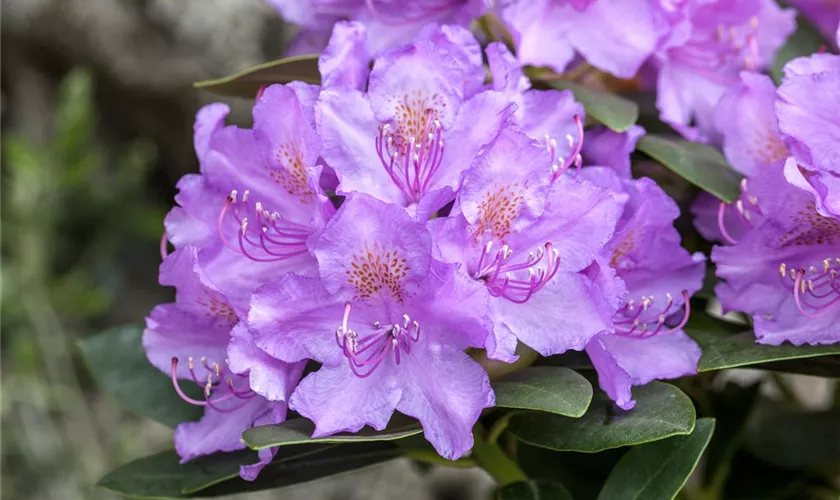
(722, 224)
(560, 165)
(500, 277)
(364, 355)
(276, 238)
(411, 162)
(211, 385)
(649, 327)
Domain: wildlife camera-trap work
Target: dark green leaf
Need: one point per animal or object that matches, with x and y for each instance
(793, 438)
(545, 388)
(533, 490)
(805, 41)
(117, 361)
(162, 477)
(658, 471)
(247, 82)
(299, 431)
(724, 349)
(614, 111)
(661, 411)
(697, 163)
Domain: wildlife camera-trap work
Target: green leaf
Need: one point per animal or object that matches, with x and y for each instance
(697, 163)
(162, 477)
(724, 349)
(614, 111)
(545, 388)
(118, 363)
(805, 41)
(793, 438)
(658, 471)
(533, 490)
(247, 82)
(661, 411)
(299, 431)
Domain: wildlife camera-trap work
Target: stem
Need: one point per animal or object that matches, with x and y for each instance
(492, 459)
(499, 426)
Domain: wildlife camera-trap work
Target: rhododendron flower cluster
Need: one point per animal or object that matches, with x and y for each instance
(417, 212)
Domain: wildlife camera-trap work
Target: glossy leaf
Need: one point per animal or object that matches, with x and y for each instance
(299, 431)
(118, 363)
(699, 164)
(724, 349)
(247, 83)
(658, 471)
(614, 111)
(533, 490)
(661, 411)
(162, 477)
(545, 388)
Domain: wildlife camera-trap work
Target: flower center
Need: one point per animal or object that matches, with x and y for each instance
(411, 149)
(265, 236)
(217, 307)
(293, 177)
(816, 291)
(643, 319)
(366, 352)
(729, 47)
(514, 279)
(375, 271)
(220, 392)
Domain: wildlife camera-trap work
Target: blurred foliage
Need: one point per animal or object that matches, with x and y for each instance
(79, 226)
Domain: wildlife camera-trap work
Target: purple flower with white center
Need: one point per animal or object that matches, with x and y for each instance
(645, 340)
(807, 108)
(547, 115)
(527, 236)
(257, 199)
(389, 22)
(188, 339)
(709, 43)
(388, 324)
(409, 137)
(784, 271)
(616, 36)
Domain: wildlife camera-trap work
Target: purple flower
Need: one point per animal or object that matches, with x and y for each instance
(709, 43)
(550, 116)
(644, 340)
(409, 137)
(783, 271)
(189, 340)
(388, 22)
(616, 36)
(258, 198)
(807, 107)
(527, 241)
(388, 324)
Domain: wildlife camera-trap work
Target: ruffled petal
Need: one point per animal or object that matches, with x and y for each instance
(448, 399)
(336, 400)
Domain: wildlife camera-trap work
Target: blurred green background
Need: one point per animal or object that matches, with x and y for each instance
(97, 110)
